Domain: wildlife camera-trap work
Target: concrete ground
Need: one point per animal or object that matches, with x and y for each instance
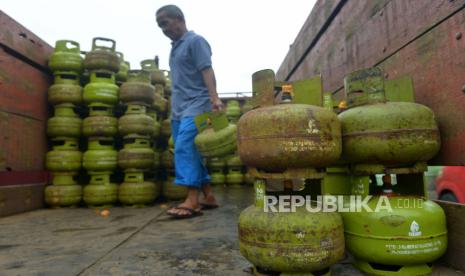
(132, 242)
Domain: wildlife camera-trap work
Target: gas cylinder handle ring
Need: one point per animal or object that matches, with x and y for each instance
(95, 46)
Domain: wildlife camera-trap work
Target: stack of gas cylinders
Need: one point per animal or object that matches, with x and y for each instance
(309, 151)
(393, 140)
(281, 143)
(138, 129)
(101, 95)
(64, 128)
(116, 120)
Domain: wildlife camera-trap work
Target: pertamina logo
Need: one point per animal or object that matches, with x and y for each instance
(414, 229)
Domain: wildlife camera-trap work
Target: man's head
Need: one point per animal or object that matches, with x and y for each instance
(171, 21)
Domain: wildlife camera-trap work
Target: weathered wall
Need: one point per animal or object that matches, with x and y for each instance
(23, 115)
(422, 38)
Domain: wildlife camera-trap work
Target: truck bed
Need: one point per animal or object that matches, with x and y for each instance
(133, 241)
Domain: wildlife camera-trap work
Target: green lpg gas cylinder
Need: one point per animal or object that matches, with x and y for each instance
(66, 57)
(233, 110)
(156, 125)
(124, 67)
(65, 89)
(234, 177)
(65, 156)
(291, 242)
(136, 154)
(100, 192)
(234, 161)
(173, 191)
(64, 178)
(216, 166)
(65, 122)
(216, 163)
(100, 156)
(63, 160)
(102, 57)
(100, 122)
(211, 143)
(156, 75)
(137, 89)
(288, 135)
(63, 195)
(217, 177)
(101, 89)
(136, 192)
(387, 133)
(404, 238)
(136, 121)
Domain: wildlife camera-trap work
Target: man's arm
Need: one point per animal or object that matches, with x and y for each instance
(210, 81)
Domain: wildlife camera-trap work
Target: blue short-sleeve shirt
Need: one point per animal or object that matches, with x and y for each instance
(189, 56)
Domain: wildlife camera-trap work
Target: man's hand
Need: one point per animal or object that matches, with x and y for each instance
(217, 105)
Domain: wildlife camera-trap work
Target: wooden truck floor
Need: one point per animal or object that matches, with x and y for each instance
(132, 242)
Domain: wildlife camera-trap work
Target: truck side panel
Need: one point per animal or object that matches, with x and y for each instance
(24, 81)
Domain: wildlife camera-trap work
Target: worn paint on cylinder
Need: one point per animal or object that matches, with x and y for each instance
(298, 241)
(138, 194)
(289, 136)
(397, 133)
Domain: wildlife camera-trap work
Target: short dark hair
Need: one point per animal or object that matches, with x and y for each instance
(172, 11)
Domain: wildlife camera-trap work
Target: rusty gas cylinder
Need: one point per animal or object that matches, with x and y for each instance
(375, 131)
(102, 57)
(137, 89)
(287, 135)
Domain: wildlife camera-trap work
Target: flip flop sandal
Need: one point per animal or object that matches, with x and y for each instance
(192, 213)
(207, 206)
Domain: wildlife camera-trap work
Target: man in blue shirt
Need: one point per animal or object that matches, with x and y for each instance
(193, 93)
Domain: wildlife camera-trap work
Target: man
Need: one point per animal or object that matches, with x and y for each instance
(193, 93)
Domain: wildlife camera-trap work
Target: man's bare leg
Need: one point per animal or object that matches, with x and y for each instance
(209, 198)
(191, 202)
